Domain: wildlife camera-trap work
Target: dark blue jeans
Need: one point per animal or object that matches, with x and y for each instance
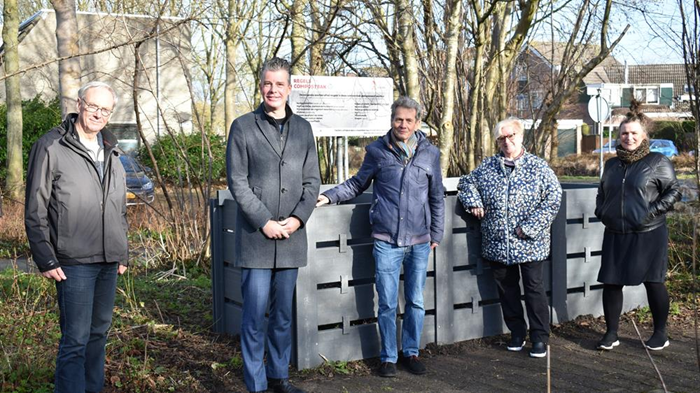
(85, 301)
(389, 259)
(260, 286)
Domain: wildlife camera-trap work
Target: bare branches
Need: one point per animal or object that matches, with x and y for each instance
(131, 41)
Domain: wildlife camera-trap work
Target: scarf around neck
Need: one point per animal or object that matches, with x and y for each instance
(637, 154)
(406, 150)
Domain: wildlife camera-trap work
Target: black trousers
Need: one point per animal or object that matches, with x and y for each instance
(508, 284)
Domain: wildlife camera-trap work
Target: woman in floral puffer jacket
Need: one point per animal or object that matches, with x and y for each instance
(516, 195)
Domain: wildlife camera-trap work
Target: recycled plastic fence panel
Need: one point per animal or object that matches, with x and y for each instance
(584, 241)
(335, 305)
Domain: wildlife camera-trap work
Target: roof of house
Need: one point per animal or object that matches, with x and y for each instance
(24, 29)
(554, 55)
(649, 74)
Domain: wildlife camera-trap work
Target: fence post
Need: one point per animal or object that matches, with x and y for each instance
(217, 265)
(559, 265)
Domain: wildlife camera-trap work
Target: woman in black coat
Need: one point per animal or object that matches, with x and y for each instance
(638, 188)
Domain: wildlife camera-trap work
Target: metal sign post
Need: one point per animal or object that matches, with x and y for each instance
(599, 110)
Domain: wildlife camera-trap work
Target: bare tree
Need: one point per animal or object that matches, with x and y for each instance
(407, 22)
(67, 45)
(691, 57)
(239, 14)
(566, 81)
(448, 91)
(10, 28)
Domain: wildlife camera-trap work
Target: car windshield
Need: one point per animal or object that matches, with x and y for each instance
(661, 144)
(130, 164)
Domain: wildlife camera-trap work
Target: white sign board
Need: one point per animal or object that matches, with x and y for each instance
(343, 106)
(598, 109)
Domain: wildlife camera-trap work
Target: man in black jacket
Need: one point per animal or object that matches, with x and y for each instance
(75, 217)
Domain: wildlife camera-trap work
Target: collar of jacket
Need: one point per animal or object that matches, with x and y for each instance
(262, 115)
(420, 136)
(70, 135)
(518, 161)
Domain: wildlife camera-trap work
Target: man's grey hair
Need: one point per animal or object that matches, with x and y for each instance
(83, 90)
(276, 64)
(408, 103)
(511, 121)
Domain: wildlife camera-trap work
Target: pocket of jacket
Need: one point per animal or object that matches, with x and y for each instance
(372, 208)
(422, 175)
(257, 191)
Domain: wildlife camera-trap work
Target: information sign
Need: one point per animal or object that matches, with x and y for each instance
(343, 106)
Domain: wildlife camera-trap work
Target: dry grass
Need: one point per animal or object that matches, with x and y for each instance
(13, 238)
(583, 165)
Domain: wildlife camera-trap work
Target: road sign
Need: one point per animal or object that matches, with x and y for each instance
(598, 109)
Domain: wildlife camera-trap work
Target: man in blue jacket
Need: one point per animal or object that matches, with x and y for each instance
(407, 217)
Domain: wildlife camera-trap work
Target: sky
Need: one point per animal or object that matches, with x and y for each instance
(654, 34)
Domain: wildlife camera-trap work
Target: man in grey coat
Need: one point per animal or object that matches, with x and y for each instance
(75, 217)
(273, 175)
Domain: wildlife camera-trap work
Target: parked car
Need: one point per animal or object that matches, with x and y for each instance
(609, 147)
(139, 188)
(663, 146)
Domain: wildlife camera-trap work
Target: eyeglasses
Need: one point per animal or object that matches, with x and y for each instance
(92, 108)
(510, 137)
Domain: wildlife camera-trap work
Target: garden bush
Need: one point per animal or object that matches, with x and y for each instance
(680, 132)
(37, 118)
(172, 165)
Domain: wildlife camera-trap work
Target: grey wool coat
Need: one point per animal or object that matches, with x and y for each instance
(271, 176)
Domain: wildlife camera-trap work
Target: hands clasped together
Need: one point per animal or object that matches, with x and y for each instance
(281, 229)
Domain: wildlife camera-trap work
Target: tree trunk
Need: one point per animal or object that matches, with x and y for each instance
(474, 99)
(67, 45)
(298, 36)
(232, 37)
(316, 62)
(448, 91)
(408, 48)
(14, 181)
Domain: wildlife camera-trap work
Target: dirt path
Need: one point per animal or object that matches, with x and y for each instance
(486, 366)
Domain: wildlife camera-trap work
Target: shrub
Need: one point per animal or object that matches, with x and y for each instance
(585, 129)
(37, 118)
(680, 132)
(171, 164)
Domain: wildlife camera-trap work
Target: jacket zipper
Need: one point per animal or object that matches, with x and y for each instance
(505, 173)
(103, 183)
(622, 200)
(403, 185)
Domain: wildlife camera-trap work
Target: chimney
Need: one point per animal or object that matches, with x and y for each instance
(627, 72)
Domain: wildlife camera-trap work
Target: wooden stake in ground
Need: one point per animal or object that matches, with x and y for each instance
(695, 287)
(649, 354)
(549, 372)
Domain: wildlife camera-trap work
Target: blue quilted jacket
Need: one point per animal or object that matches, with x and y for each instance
(528, 197)
(408, 206)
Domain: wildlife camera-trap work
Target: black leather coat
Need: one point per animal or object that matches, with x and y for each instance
(635, 197)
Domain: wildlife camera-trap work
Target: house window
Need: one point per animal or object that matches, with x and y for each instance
(521, 73)
(536, 98)
(647, 95)
(521, 102)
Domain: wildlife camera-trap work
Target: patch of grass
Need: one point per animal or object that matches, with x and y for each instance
(28, 332)
(152, 316)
